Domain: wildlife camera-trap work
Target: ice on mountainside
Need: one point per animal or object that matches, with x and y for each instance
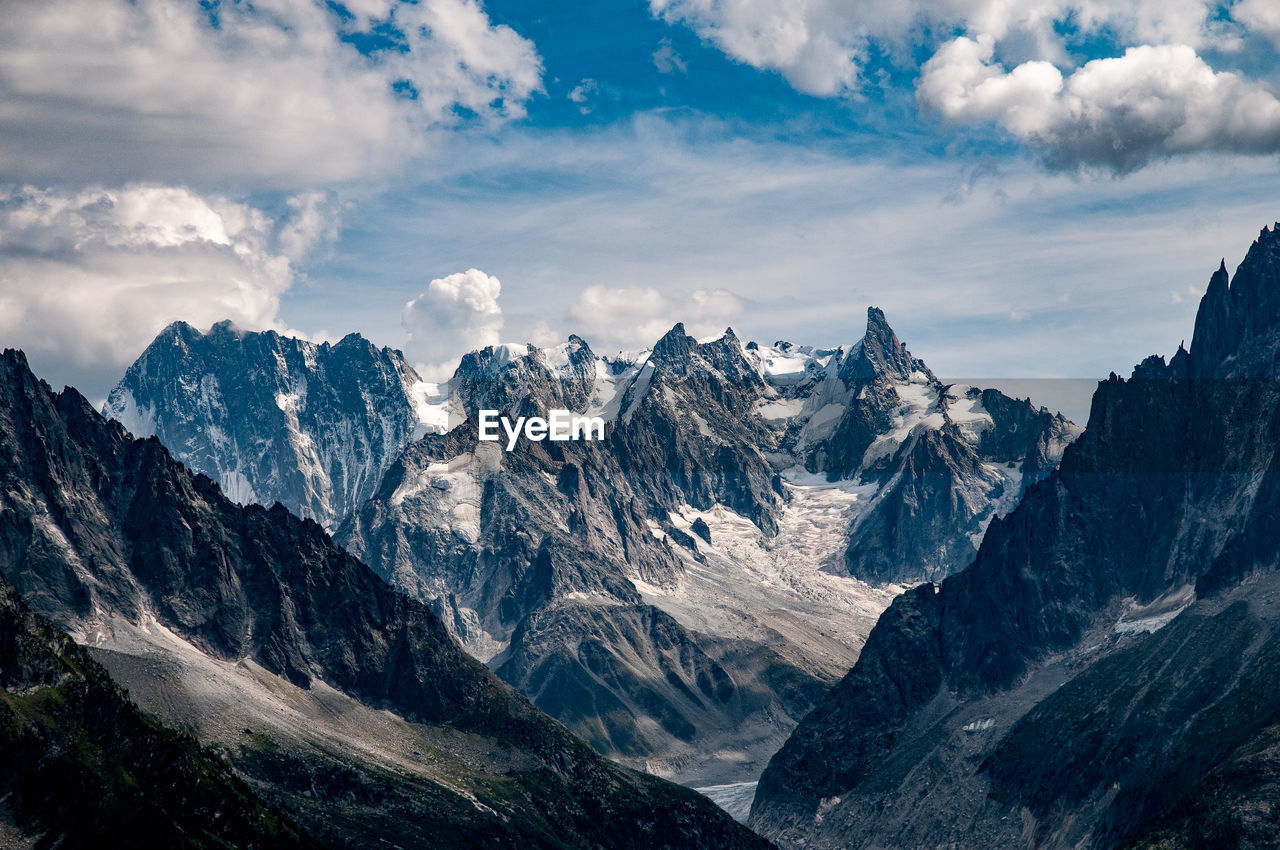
(707, 570)
(733, 495)
(272, 418)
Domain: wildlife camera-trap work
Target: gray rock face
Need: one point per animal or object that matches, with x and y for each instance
(581, 570)
(939, 461)
(126, 549)
(1097, 675)
(532, 558)
(743, 498)
(689, 432)
(272, 418)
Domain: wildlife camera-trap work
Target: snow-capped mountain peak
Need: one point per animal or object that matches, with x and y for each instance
(273, 418)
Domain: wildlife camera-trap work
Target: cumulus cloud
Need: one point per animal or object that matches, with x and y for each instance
(637, 317)
(1119, 113)
(271, 92)
(1159, 98)
(1262, 16)
(456, 314)
(819, 46)
(88, 278)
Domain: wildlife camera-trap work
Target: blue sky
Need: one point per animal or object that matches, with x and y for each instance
(1036, 193)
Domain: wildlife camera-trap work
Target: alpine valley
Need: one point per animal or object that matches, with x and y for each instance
(921, 614)
(679, 594)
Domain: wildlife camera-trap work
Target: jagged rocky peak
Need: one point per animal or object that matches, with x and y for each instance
(1233, 332)
(271, 417)
(690, 433)
(1107, 658)
(882, 355)
(674, 349)
(937, 461)
(524, 379)
(714, 362)
(342, 700)
(877, 355)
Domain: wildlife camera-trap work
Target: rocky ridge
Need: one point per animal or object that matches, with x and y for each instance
(83, 767)
(194, 603)
(273, 418)
(668, 587)
(1096, 677)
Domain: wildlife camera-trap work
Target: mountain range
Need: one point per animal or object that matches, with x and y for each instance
(679, 594)
(941, 616)
(337, 700)
(1103, 674)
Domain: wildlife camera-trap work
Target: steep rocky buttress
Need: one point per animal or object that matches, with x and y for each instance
(1099, 675)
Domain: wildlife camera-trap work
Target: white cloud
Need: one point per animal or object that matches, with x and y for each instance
(541, 334)
(637, 317)
(667, 60)
(820, 45)
(456, 314)
(271, 93)
(673, 204)
(817, 45)
(1158, 98)
(88, 278)
(313, 218)
(1262, 16)
(583, 92)
(1118, 113)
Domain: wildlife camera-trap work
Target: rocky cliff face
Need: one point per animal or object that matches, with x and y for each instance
(668, 593)
(534, 558)
(679, 593)
(336, 696)
(689, 432)
(272, 418)
(938, 461)
(1101, 663)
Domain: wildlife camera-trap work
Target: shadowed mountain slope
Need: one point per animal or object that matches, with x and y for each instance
(257, 610)
(1106, 657)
